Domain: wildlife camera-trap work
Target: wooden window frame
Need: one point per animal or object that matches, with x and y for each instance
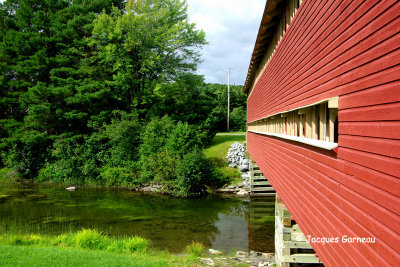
(312, 124)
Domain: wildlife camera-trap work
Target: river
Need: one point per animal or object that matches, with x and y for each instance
(220, 222)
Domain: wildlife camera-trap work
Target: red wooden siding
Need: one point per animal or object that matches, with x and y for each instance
(349, 49)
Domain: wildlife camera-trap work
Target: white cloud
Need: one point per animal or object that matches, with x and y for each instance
(231, 28)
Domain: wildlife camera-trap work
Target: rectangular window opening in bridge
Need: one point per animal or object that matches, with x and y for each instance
(315, 124)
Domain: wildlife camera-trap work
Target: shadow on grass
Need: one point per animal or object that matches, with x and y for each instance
(218, 162)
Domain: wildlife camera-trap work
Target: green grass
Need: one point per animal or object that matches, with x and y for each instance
(92, 248)
(217, 152)
(85, 248)
(56, 256)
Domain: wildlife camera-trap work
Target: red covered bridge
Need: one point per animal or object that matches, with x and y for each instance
(323, 118)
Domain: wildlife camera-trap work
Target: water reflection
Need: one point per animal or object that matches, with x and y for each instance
(223, 223)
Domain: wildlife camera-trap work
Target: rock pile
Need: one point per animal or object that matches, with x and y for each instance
(254, 259)
(236, 157)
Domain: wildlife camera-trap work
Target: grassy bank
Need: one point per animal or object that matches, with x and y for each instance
(87, 248)
(217, 151)
(53, 256)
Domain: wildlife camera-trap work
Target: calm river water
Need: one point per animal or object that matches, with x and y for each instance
(219, 222)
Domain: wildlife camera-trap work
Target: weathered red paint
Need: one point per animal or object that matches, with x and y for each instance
(349, 49)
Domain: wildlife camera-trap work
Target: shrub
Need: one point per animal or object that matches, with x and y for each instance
(153, 138)
(182, 139)
(118, 176)
(208, 128)
(67, 160)
(123, 136)
(65, 240)
(194, 173)
(92, 239)
(162, 166)
(136, 243)
(25, 240)
(116, 246)
(28, 154)
(238, 119)
(195, 249)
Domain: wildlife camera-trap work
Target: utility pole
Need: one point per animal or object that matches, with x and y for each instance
(229, 77)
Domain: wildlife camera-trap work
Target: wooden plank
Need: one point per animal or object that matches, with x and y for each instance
(386, 112)
(283, 170)
(296, 244)
(264, 189)
(322, 122)
(301, 258)
(262, 194)
(297, 40)
(333, 102)
(384, 147)
(333, 114)
(315, 123)
(309, 132)
(258, 179)
(381, 94)
(260, 183)
(301, 125)
(307, 110)
(384, 129)
(338, 210)
(383, 164)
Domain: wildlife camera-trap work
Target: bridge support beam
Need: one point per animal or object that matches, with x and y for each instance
(291, 246)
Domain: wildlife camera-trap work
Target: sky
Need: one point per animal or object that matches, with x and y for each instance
(231, 28)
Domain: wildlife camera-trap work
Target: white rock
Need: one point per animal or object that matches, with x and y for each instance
(215, 252)
(71, 188)
(242, 253)
(242, 192)
(243, 168)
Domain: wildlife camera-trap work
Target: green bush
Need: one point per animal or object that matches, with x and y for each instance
(182, 139)
(136, 243)
(25, 240)
(208, 128)
(67, 160)
(118, 176)
(195, 249)
(162, 167)
(92, 239)
(153, 140)
(28, 153)
(238, 119)
(117, 246)
(65, 240)
(123, 135)
(194, 172)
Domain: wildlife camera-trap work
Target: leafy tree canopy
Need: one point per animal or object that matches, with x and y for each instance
(84, 83)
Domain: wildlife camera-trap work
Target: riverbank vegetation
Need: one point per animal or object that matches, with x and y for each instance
(87, 248)
(105, 92)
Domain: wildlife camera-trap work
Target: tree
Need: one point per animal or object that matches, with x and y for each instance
(151, 43)
(42, 43)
